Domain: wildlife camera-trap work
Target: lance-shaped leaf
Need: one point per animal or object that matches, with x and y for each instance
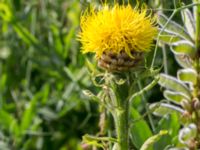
(175, 97)
(169, 38)
(162, 109)
(9, 123)
(188, 75)
(184, 60)
(173, 27)
(149, 143)
(189, 23)
(140, 130)
(173, 84)
(183, 47)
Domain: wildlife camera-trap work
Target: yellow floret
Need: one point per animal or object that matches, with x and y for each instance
(115, 29)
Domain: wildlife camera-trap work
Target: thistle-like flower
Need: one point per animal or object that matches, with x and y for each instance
(118, 35)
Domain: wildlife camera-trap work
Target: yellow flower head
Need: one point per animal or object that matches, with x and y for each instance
(115, 29)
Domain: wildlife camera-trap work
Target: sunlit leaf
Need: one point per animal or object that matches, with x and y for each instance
(5, 12)
(188, 75)
(28, 114)
(149, 142)
(184, 60)
(176, 97)
(172, 27)
(172, 124)
(189, 22)
(169, 38)
(162, 109)
(174, 84)
(183, 47)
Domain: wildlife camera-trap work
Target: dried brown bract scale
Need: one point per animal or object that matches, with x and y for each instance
(119, 62)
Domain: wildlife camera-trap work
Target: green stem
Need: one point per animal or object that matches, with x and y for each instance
(197, 38)
(197, 61)
(120, 112)
(197, 46)
(165, 59)
(121, 117)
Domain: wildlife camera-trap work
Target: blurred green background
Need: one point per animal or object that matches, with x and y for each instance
(43, 73)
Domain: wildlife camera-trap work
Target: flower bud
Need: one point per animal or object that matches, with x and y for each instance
(119, 62)
(186, 105)
(185, 117)
(196, 104)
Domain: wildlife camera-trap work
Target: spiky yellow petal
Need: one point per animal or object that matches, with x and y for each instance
(115, 29)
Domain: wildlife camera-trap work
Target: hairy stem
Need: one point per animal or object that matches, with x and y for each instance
(120, 112)
(197, 62)
(121, 117)
(197, 38)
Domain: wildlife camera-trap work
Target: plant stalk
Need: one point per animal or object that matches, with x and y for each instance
(121, 117)
(197, 16)
(197, 46)
(197, 62)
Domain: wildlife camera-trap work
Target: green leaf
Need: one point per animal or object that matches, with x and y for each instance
(172, 83)
(57, 41)
(48, 114)
(162, 109)
(188, 75)
(9, 123)
(140, 130)
(189, 22)
(25, 35)
(175, 97)
(3, 79)
(70, 74)
(91, 67)
(172, 27)
(5, 12)
(183, 47)
(149, 142)
(171, 123)
(68, 39)
(169, 38)
(184, 60)
(29, 114)
(187, 133)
